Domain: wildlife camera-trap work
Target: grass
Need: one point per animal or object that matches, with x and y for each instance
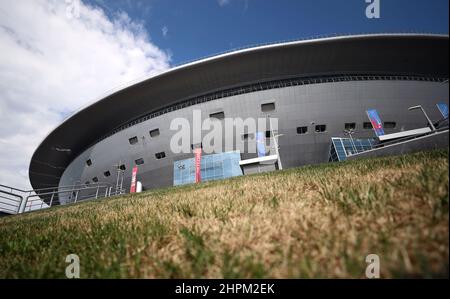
(316, 221)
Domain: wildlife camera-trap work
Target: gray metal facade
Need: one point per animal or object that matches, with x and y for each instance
(100, 132)
(332, 104)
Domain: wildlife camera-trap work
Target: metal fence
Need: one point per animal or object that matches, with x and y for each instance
(17, 201)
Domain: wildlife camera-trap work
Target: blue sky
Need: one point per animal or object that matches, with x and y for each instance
(198, 28)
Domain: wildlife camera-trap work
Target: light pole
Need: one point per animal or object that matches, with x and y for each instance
(424, 113)
(118, 174)
(275, 143)
(121, 181)
(350, 132)
(314, 133)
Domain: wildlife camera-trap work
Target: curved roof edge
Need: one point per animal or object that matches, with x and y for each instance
(232, 53)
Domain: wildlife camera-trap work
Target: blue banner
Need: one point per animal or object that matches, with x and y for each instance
(375, 120)
(443, 108)
(261, 144)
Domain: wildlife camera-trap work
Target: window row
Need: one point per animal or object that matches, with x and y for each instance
(347, 126)
(153, 133)
(266, 107)
(139, 161)
(267, 86)
(317, 128)
(247, 136)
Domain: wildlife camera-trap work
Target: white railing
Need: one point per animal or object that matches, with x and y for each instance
(17, 201)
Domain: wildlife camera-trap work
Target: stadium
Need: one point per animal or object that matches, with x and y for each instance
(317, 89)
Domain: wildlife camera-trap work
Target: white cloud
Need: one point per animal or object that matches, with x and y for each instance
(165, 31)
(223, 2)
(55, 59)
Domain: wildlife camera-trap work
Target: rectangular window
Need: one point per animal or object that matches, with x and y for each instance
(367, 125)
(350, 126)
(302, 130)
(198, 145)
(139, 161)
(267, 107)
(133, 140)
(248, 136)
(218, 115)
(160, 155)
(95, 179)
(321, 128)
(268, 134)
(89, 162)
(154, 133)
(390, 124)
(107, 173)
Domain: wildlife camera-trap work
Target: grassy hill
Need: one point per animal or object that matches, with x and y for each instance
(316, 221)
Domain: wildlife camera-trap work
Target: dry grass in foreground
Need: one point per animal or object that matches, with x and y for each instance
(317, 221)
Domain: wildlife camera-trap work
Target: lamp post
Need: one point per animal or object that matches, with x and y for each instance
(314, 133)
(118, 174)
(350, 132)
(275, 143)
(424, 113)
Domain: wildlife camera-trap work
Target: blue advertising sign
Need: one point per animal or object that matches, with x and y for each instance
(443, 108)
(375, 120)
(261, 144)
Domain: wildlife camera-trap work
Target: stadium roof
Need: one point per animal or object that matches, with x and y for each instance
(377, 54)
